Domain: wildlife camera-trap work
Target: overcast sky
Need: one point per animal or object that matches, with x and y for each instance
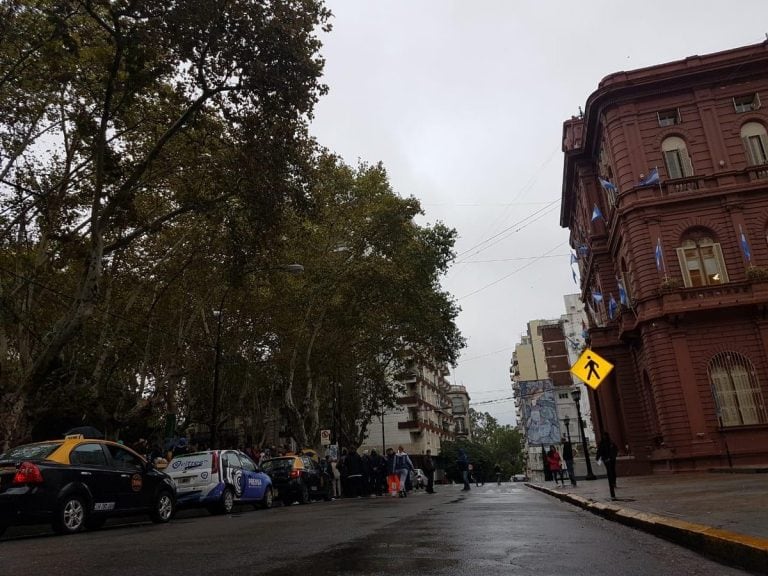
(463, 101)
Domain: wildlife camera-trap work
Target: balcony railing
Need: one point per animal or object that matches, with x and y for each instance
(408, 425)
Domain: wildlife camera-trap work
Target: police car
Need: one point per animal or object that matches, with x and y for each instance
(219, 479)
(79, 482)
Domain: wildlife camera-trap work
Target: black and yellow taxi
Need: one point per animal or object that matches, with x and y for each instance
(297, 478)
(79, 482)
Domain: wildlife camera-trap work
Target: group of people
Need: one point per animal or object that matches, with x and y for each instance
(354, 475)
(607, 451)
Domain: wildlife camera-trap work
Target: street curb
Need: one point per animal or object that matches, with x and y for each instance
(748, 552)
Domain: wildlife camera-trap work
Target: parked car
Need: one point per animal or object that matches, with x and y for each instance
(297, 478)
(219, 479)
(519, 478)
(78, 483)
(418, 478)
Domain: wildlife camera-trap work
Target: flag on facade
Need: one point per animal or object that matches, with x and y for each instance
(596, 296)
(573, 259)
(596, 213)
(608, 186)
(612, 307)
(745, 245)
(652, 178)
(574, 276)
(623, 298)
(659, 256)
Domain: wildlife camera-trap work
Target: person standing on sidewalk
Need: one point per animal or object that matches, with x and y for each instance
(607, 452)
(554, 463)
(568, 457)
(429, 470)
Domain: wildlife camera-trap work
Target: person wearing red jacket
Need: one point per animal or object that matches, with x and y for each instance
(555, 466)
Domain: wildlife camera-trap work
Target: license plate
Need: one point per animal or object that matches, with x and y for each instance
(186, 480)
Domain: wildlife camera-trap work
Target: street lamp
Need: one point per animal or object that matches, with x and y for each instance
(567, 422)
(576, 395)
(293, 269)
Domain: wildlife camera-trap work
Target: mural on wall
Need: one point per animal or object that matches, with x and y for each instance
(539, 411)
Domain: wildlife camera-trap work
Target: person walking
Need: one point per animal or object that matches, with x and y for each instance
(335, 479)
(554, 463)
(462, 463)
(429, 470)
(568, 457)
(377, 475)
(353, 466)
(607, 452)
(402, 466)
(497, 472)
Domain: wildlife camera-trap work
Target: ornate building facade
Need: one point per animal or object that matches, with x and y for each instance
(665, 194)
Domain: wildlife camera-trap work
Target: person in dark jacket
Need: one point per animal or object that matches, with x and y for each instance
(354, 468)
(607, 453)
(429, 470)
(377, 477)
(463, 465)
(568, 458)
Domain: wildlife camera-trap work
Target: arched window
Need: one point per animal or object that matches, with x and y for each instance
(755, 140)
(736, 390)
(701, 260)
(676, 158)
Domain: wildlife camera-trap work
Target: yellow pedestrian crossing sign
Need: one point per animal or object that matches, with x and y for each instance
(591, 368)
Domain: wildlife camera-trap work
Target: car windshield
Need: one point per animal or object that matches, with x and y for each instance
(277, 464)
(31, 451)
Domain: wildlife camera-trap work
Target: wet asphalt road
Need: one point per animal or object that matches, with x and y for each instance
(509, 530)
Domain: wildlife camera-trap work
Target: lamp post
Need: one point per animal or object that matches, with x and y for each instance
(567, 422)
(576, 395)
(219, 314)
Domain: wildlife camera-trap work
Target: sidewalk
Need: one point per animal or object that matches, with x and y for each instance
(720, 515)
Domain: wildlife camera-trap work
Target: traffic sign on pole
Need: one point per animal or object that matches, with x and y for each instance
(591, 368)
(325, 437)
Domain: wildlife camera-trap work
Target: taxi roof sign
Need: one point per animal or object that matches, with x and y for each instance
(591, 368)
(74, 437)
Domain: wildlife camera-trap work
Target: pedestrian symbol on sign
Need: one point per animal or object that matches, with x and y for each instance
(591, 368)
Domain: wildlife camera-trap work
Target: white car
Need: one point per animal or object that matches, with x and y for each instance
(519, 478)
(219, 479)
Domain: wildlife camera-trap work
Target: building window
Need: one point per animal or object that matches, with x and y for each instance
(668, 117)
(736, 389)
(746, 103)
(701, 261)
(676, 158)
(755, 140)
(562, 395)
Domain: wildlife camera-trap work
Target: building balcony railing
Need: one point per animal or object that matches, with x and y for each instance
(408, 425)
(407, 400)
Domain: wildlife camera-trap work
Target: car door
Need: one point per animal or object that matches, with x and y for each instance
(90, 466)
(232, 472)
(134, 491)
(253, 483)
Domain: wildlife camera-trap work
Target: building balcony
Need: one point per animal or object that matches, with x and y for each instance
(408, 425)
(407, 400)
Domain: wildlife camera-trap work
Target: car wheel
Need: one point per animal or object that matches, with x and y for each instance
(227, 502)
(267, 500)
(304, 497)
(164, 507)
(71, 515)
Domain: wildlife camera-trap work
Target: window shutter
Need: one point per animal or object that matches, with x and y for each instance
(672, 159)
(751, 160)
(686, 161)
(764, 151)
(684, 267)
(720, 262)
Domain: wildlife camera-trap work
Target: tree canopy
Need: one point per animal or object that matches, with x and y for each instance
(156, 176)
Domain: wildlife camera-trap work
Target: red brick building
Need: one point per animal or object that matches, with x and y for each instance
(665, 194)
